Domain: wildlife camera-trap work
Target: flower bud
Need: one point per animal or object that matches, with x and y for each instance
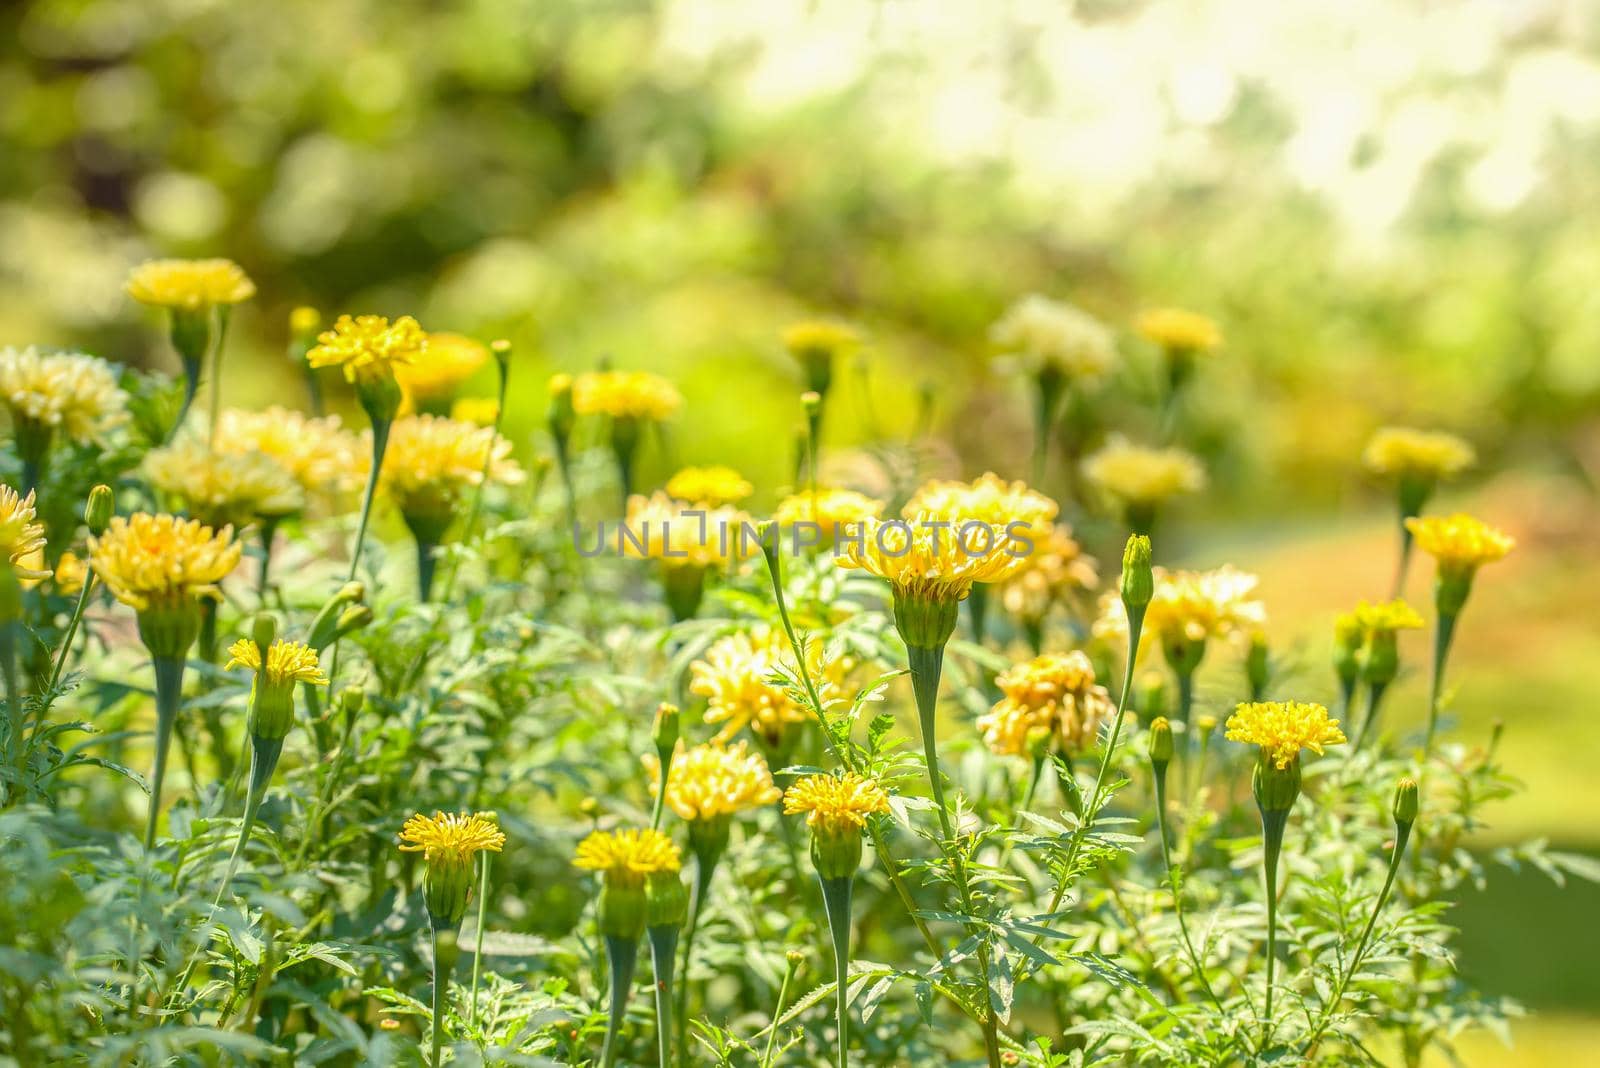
(1348, 634)
(351, 699)
(1405, 803)
(1138, 579)
(1380, 661)
(1204, 725)
(666, 900)
(1161, 747)
(1257, 666)
(501, 349)
(1152, 695)
(263, 631)
(99, 509)
(352, 619)
(795, 958)
(325, 624)
(665, 730)
(811, 403)
(1276, 788)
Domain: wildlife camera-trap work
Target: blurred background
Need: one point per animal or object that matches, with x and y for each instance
(1388, 206)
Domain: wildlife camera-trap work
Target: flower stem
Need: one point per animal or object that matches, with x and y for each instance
(926, 665)
(72, 629)
(705, 869)
(1174, 877)
(380, 442)
(663, 948)
(1272, 826)
(477, 945)
(622, 956)
(836, 901)
(445, 954)
(1374, 698)
(1444, 631)
(169, 695)
(777, 1012)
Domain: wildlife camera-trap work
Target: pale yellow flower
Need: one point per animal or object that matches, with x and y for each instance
(835, 805)
(1386, 616)
(438, 371)
(711, 781)
(830, 509)
(1055, 692)
(682, 535)
(1139, 475)
(1025, 515)
(741, 678)
(320, 454)
(709, 485)
(484, 411)
(189, 285)
(1043, 334)
(810, 338)
(1057, 569)
(625, 395)
(432, 462)
(927, 558)
(222, 489)
(1191, 606)
(67, 390)
(148, 560)
(1401, 452)
(21, 537)
(1283, 728)
(1177, 330)
(71, 571)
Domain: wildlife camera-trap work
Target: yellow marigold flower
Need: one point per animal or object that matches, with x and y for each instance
(369, 347)
(829, 508)
(438, 371)
(682, 535)
(1401, 452)
(320, 454)
(1177, 330)
(456, 837)
(1460, 542)
(1024, 514)
(222, 489)
(1386, 616)
(1043, 334)
(1283, 728)
(287, 662)
(925, 559)
(189, 285)
(1192, 606)
(1055, 692)
(709, 485)
(71, 572)
(76, 393)
(149, 560)
(740, 677)
(625, 395)
(431, 462)
(835, 805)
(1142, 476)
(484, 411)
(710, 781)
(628, 857)
(813, 336)
(1053, 572)
(21, 538)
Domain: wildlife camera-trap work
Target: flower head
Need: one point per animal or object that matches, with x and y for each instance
(220, 488)
(287, 662)
(682, 535)
(820, 338)
(1191, 606)
(741, 678)
(1057, 569)
(1401, 452)
(625, 395)
(449, 845)
(712, 781)
(431, 462)
(830, 509)
(1386, 616)
(1023, 514)
(319, 453)
(1460, 543)
(926, 559)
(78, 394)
(1054, 692)
(835, 805)
(1044, 334)
(437, 372)
(189, 285)
(1138, 475)
(368, 348)
(70, 573)
(1177, 330)
(628, 857)
(1283, 728)
(712, 486)
(21, 538)
(484, 411)
(150, 560)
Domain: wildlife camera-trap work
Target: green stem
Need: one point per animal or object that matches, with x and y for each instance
(14, 714)
(1375, 693)
(1405, 559)
(1272, 826)
(663, 948)
(777, 1012)
(705, 869)
(836, 901)
(1444, 631)
(72, 629)
(477, 945)
(215, 395)
(926, 665)
(169, 696)
(622, 957)
(380, 442)
(1174, 878)
(445, 954)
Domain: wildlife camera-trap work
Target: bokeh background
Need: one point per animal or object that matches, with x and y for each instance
(1392, 208)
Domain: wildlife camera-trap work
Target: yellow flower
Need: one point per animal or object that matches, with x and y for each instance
(1283, 728)
(1386, 616)
(1177, 330)
(70, 574)
(1142, 476)
(682, 535)
(320, 454)
(451, 841)
(1191, 606)
(74, 392)
(740, 678)
(1043, 334)
(709, 486)
(831, 509)
(438, 371)
(149, 560)
(926, 559)
(483, 411)
(625, 395)
(1056, 692)
(369, 347)
(1400, 452)
(21, 538)
(1052, 573)
(820, 339)
(287, 662)
(835, 805)
(1023, 514)
(1459, 542)
(431, 462)
(222, 489)
(710, 781)
(189, 285)
(628, 857)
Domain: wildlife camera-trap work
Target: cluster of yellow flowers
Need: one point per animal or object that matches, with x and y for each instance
(452, 839)
(285, 662)
(369, 348)
(1057, 569)
(319, 453)
(1459, 542)
(1178, 330)
(1054, 693)
(1020, 517)
(739, 676)
(830, 508)
(189, 285)
(223, 489)
(1283, 728)
(1402, 452)
(628, 856)
(835, 805)
(1192, 606)
(681, 535)
(710, 781)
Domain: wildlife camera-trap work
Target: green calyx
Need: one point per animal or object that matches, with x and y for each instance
(666, 900)
(925, 622)
(446, 888)
(168, 629)
(623, 909)
(836, 856)
(1275, 788)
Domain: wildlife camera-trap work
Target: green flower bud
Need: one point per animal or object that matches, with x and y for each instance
(351, 620)
(99, 509)
(1405, 803)
(811, 403)
(1380, 661)
(501, 348)
(1138, 578)
(1161, 747)
(326, 622)
(1257, 666)
(708, 838)
(351, 698)
(666, 900)
(1276, 788)
(263, 631)
(665, 730)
